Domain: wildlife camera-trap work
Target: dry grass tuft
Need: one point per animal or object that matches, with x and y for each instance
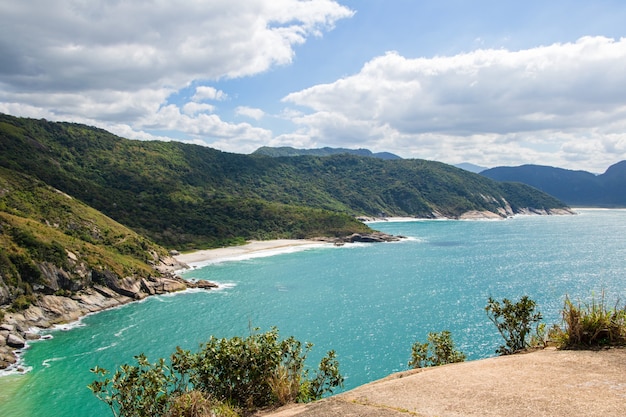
(591, 325)
(196, 404)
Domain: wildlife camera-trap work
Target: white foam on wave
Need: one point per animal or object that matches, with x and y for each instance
(69, 326)
(18, 368)
(122, 330)
(100, 349)
(47, 363)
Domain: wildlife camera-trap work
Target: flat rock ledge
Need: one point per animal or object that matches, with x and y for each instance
(53, 310)
(374, 237)
(550, 382)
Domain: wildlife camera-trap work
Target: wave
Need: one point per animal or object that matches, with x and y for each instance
(121, 331)
(69, 326)
(100, 349)
(46, 363)
(19, 367)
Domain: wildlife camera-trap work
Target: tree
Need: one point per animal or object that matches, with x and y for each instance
(244, 373)
(442, 348)
(514, 321)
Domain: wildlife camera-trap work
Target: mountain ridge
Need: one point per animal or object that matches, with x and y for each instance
(574, 187)
(280, 151)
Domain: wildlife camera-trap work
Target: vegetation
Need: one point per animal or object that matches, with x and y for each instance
(576, 188)
(289, 151)
(438, 350)
(44, 230)
(514, 322)
(226, 376)
(590, 325)
(187, 196)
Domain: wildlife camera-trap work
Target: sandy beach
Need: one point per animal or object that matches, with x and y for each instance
(251, 249)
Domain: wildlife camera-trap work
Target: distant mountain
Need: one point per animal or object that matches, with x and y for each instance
(576, 188)
(289, 151)
(471, 167)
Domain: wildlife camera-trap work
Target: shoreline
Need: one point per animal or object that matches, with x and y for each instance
(252, 249)
(54, 312)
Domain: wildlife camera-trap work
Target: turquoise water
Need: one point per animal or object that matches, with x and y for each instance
(369, 302)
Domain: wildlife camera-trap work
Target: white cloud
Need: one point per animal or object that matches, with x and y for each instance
(192, 108)
(253, 113)
(113, 63)
(208, 93)
(539, 100)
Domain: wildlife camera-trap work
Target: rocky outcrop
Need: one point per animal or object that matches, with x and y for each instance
(106, 290)
(374, 237)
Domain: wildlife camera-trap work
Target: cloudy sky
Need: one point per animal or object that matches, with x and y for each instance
(491, 82)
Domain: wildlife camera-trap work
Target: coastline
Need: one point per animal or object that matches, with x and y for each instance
(53, 311)
(252, 249)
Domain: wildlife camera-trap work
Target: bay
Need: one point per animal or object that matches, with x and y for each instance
(368, 302)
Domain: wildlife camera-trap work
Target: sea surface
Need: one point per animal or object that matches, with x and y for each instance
(368, 302)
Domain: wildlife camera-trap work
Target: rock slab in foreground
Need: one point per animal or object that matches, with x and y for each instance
(543, 383)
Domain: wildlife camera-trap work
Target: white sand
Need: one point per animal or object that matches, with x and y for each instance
(251, 249)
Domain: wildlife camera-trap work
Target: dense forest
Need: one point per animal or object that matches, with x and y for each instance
(289, 151)
(187, 196)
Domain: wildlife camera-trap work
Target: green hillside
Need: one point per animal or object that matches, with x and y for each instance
(186, 196)
(52, 243)
(289, 151)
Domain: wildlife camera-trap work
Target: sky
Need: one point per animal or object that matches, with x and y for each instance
(493, 83)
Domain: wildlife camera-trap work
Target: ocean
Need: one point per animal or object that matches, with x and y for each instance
(368, 302)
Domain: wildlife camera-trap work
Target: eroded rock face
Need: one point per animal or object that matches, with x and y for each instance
(55, 279)
(4, 292)
(108, 291)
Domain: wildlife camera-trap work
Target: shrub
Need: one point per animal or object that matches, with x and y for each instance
(229, 374)
(21, 302)
(514, 321)
(442, 351)
(590, 325)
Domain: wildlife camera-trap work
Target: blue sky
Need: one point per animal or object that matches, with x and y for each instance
(488, 82)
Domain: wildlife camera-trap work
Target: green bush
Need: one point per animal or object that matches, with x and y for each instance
(22, 302)
(514, 322)
(241, 373)
(441, 348)
(590, 325)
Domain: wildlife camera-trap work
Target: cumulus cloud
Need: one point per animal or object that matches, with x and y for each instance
(253, 113)
(116, 62)
(208, 93)
(539, 101)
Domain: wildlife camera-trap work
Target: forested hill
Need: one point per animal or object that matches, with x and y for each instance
(576, 188)
(289, 151)
(189, 196)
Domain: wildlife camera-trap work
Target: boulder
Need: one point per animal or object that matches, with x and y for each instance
(8, 327)
(15, 341)
(6, 357)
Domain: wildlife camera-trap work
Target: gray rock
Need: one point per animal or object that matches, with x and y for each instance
(8, 327)
(15, 341)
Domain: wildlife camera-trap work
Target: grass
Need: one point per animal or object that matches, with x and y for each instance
(588, 325)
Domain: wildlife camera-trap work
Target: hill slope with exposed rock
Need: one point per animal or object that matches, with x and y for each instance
(60, 259)
(187, 196)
